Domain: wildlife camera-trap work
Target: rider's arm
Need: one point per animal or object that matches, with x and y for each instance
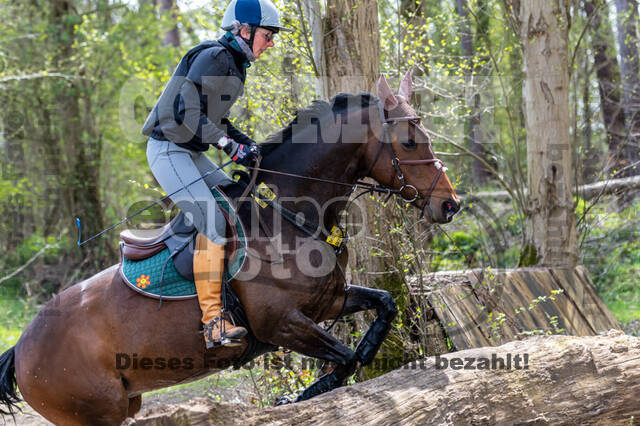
(236, 134)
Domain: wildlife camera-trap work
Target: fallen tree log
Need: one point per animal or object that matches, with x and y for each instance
(560, 380)
(587, 192)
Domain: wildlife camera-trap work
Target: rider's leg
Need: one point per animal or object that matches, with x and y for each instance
(205, 165)
(175, 167)
(208, 268)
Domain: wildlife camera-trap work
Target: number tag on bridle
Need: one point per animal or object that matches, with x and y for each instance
(264, 192)
(337, 237)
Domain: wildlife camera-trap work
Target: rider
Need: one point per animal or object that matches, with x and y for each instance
(190, 115)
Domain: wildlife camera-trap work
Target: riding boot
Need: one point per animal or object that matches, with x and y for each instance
(208, 267)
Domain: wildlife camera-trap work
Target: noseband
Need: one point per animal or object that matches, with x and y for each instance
(387, 125)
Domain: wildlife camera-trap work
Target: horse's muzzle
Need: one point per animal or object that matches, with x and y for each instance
(449, 208)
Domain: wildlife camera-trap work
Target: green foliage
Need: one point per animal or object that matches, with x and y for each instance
(281, 374)
(528, 257)
(610, 248)
(17, 312)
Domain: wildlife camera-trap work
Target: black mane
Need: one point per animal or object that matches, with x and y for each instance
(314, 115)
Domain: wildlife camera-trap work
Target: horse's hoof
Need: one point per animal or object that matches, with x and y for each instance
(284, 400)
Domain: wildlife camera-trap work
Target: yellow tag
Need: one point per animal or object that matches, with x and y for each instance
(259, 201)
(336, 238)
(265, 192)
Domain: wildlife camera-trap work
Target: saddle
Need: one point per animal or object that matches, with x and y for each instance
(178, 237)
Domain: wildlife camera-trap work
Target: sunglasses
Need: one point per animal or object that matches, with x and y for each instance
(268, 36)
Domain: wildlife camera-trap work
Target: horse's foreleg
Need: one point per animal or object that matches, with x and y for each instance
(304, 336)
(362, 299)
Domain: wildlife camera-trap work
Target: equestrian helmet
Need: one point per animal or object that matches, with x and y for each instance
(257, 13)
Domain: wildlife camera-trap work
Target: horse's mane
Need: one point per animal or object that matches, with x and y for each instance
(315, 114)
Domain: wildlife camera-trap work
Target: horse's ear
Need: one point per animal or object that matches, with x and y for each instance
(406, 86)
(386, 96)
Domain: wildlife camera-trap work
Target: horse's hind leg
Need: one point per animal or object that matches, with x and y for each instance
(74, 399)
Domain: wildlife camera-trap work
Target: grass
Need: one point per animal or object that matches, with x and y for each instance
(16, 314)
(611, 252)
(624, 311)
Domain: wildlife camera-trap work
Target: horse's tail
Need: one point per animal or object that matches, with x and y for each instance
(8, 395)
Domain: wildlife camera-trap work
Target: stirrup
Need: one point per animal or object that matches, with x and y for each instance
(210, 342)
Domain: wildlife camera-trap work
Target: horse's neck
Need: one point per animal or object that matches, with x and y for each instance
(335, 162)
(331, 162)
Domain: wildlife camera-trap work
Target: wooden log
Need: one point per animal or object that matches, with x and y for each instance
(565, 380)
(587, 192)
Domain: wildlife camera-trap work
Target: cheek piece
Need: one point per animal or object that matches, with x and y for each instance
(252, 37)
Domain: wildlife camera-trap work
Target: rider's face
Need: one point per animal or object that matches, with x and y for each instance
(262, 40)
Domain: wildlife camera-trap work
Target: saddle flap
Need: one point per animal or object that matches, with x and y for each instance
(178, 236)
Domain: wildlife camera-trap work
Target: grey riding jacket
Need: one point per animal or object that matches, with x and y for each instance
(193, 108)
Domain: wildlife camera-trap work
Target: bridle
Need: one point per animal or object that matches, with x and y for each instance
(387, 126)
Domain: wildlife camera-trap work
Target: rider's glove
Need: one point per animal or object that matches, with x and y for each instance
(241, 154)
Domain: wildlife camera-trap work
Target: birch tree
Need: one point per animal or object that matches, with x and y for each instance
(550, 236)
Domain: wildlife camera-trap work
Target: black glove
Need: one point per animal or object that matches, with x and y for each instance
(241, 154)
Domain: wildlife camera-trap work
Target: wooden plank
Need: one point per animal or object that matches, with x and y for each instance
(439, 302)
(580, 296)
(490, 292)
(542, 284)
(607, 320)
(529, 318)
(469, 309)
(586, 301)
(576, 323)
(465, 318)
(462, 304)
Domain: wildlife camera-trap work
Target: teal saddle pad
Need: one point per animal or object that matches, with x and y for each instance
(145, 275)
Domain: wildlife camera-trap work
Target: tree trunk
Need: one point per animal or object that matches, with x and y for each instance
(415, 16)
(313, 14)
(590, 157)
(630, 69)
(587, 192)
(351, 45)
(550, 234)
(81, 142)
(558, 380)
(473, 128)
(608, 73)
(171, 37)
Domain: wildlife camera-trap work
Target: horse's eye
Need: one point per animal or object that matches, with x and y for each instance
(410, 144)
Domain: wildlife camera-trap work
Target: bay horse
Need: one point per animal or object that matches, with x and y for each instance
(64, 363)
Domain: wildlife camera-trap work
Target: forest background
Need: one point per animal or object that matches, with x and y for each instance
(77, 79)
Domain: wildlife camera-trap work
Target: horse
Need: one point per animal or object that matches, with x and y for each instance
(64, 363)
